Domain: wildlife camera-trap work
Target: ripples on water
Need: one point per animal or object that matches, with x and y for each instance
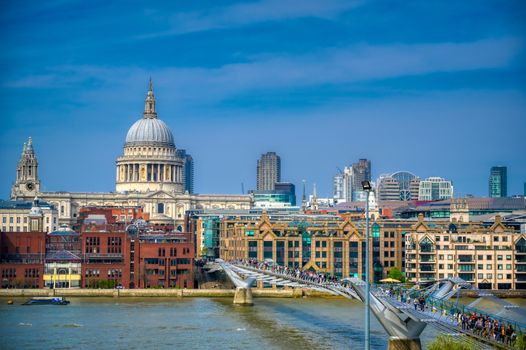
(197, 323)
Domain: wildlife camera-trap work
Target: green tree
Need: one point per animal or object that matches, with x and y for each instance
(396, 274)
(446, 342)
(520, 342)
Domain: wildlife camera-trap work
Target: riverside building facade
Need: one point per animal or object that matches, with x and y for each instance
(323, 243)
(489, 257)
(99, 255)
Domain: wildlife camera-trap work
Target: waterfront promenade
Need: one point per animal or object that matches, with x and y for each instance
(151, 292)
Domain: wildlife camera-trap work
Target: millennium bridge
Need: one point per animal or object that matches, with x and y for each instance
(402, 319)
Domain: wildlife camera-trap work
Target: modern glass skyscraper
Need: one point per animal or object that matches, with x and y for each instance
(188, 170)
(361, 171)
(498, 182)
(268, 171)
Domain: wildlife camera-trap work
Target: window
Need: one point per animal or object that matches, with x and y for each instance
(160, 208)
(450, 257)
(499, 257)
(489, 266)
(499, 267)
(489, 275)
(18, 219)
(480, 257)
(505, 238)
(446, 238)
(441, 257)
(495, 238)
(4, 220)
(480, 276)
(489, 257)
(499, 276)
(508, 257)
(508, 266)
(480, 266)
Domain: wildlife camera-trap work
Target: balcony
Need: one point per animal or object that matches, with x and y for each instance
(428, 268)
(520, 259)
(466, 259)
(427, 258)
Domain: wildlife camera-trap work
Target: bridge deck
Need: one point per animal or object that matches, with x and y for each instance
(444, 323)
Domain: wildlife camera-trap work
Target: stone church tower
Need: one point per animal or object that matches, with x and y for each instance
(27, 182)
(459, 210)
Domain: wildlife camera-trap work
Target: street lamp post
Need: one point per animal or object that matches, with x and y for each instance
(367, 188)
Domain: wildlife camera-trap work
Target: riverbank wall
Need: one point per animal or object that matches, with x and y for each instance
(206, 293)
(177, 293)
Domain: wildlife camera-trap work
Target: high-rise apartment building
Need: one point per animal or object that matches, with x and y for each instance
(337, 188)
(435, 189)
(498, 182)
(361, 171)
(268, 171)
(343, 186)
(188, 170)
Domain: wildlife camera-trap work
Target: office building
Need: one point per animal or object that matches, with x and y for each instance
(498, 182)
(343, 186)
(399, 186)
(268, 171)
(361, 171)
(435, 189)
(188, 170)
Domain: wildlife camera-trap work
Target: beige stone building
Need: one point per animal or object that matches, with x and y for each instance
(16, 216)
(490, 257)
(323, 243)
(148, 174)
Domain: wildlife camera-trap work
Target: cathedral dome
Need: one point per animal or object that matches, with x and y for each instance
(149, 130)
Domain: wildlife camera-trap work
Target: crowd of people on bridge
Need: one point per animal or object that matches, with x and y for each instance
(481, 325)
(307, 276)
(486, 327)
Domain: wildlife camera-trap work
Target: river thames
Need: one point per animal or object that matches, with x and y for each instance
(190, 323)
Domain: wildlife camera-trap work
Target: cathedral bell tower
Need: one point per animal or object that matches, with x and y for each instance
(27, 183)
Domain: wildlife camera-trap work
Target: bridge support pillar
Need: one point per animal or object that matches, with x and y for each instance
(243, 296)
(396, 343)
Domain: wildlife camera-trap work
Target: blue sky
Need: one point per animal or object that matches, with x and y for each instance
(433, 87)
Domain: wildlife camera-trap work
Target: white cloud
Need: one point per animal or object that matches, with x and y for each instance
(329, 66)
(253, 12)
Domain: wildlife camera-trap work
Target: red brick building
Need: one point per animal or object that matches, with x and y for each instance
(106, 257)
(22, 259)
(165, 260)
(114, 257)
